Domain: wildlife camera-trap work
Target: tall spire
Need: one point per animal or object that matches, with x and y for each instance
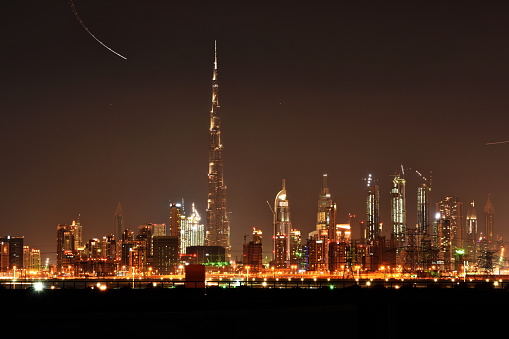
(218, 227)
(215, 60)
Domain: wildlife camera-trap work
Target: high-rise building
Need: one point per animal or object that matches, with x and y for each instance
(128, 244)
(78, 234)
(192, 231)
(423, 205)
(252, 252)
(297, 258)
(372, 210)
(449, 234)
(218, 227)
(326, 216)
(489, 219)
(398, 209)
(109, 247)
(472, 233)
(26, 256)
(282, 227)
(68, 243)
(175, 220)
(166, 254)
(11, 253)
(118, 227)
(35, 259)
(471, 229)
(325, 232)
(444, 243)
(450, 208)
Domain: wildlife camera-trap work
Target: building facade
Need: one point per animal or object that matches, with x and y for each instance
(372, 210)
(282, 227)
(398, 209)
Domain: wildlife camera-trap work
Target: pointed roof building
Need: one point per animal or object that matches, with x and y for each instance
(118, 227)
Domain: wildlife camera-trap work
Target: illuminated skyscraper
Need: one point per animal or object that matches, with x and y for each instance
(78, 234)
(11, 253)
(489, 219)
(118, 227)
(325, 233)
(372, 210)
(326, 216)
(471, 228)
(175, 220)
(282, 227)
(423, 207)
(218, 227)
(450, 208)
(69, 241)
(35, 259)
(192, 231)
(398, 208)
(472, 232)
(297, 259)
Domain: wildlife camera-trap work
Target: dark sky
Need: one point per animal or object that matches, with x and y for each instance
(345, 88)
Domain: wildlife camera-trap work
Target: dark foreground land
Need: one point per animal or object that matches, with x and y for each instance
(256, 313)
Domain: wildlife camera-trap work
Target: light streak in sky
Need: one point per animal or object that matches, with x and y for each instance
(497, 142)
(88, 31)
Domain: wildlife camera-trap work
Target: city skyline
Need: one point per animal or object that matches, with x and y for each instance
(342, 90)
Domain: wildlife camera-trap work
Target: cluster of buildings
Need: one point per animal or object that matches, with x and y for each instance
(22, 260)
(155, 249)
(450, 241)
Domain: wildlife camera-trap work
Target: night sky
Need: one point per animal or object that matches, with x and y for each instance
(345, 88)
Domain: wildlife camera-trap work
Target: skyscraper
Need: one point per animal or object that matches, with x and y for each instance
(372, 210)
(398, 208)
(118, 227)
(472, 232)
(11, 253)
(66, 245)
(252, 252)
(471, 223)
(175, 220)
(326, 216)
(450, 208)
(423, 201)
(489, 219)
(192, 231)
(282, 227)
(325, 232)
(218, 227)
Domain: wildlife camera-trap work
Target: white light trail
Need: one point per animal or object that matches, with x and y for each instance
(497, 142)
(88, 31)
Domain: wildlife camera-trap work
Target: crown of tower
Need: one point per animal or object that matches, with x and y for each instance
(488, 208)
(471, 211)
